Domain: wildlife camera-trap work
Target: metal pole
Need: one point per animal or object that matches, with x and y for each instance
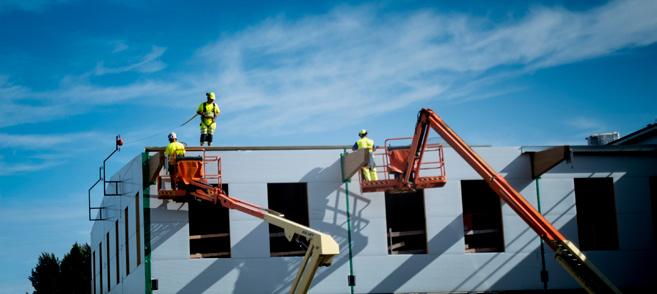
(351, 279)
(544, 272)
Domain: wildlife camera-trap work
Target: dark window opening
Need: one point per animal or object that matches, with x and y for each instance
(127, 242)
(100, 267)
(116, 251)
(406, 223)
(109, 273)
(596, 214)
(290, 199)
(482, 217)
(209, 229)
(93, 275)
(138, 229)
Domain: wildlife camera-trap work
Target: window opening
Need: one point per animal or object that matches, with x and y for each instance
(127, 242)
(406, 223)
(596, 214)
(209, 229)
(100, 267)
(482, 217)
(138, 229)
(109, 272)
(290, 199)
(116, 251)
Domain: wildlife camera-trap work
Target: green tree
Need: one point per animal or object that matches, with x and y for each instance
(75, 270)
(45, 275)
(71, 275)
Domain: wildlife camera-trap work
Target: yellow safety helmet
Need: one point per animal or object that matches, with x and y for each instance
(362, 132)
(210, 95)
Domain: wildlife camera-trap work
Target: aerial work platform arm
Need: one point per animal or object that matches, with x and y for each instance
(567, 254)
(321, 248)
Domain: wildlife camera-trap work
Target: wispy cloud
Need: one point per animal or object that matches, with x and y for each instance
(148, 64)
(43, 141)
(322, 71)
(288, 75)
(26, 166)
(26, 153)
(119, 46)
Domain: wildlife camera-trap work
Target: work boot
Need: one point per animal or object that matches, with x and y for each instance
(208, 138)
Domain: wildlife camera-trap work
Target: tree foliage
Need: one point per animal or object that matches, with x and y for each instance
(45, 275)
(71, 275)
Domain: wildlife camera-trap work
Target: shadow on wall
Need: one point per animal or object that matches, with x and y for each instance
(438, 245)
(526, 273)
(279, 272)
(518, 172)
(337, 227)
(165, 222)
(250, 270)
(474, 282)
(635, 276)
(268, 278)
(523, 275)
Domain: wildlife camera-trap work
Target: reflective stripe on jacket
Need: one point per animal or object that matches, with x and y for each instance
(176, 148)
(210, 109)
(365, 143)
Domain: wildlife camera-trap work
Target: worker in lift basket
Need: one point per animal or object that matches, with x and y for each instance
(366, 143)
(209, 111)
(174, 150)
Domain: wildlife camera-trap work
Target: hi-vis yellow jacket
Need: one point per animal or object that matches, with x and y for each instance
(208, 109)
(365, 143)
(176, 148)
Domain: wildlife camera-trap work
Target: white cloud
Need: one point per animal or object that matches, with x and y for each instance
(119, 46)
(148, 64)
(43, 141)
(13, 168)
(27, 153)
(343, 67)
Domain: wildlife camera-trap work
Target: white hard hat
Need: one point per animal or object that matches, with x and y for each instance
(172, 135)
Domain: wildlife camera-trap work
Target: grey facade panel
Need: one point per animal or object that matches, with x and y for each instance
(446, 267)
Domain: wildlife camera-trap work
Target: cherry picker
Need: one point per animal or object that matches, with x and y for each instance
(406, 164)
(191, 182)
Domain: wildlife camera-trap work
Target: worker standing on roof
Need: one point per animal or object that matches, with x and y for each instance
(364, 142)
(209, 111)
(174, 150)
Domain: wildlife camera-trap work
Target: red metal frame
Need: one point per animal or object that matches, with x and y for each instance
(206, 189)
(207, 177)
(567, 254)
(389, 182)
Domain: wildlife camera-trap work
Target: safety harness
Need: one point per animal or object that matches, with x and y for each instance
(205, 107)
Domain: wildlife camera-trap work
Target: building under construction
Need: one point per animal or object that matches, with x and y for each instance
(452, 218)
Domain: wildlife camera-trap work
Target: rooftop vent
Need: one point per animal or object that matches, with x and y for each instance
(602, 138)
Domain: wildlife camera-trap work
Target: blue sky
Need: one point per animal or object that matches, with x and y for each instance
(73, 74)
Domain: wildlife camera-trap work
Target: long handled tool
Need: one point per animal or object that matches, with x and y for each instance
(190, 119)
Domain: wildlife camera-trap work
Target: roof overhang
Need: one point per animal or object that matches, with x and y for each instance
(544, 158)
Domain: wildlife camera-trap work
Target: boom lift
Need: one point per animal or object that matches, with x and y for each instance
(191, 183)
(566, 253)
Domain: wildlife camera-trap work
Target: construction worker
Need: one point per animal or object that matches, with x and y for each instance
(209, 111)
(174, 150)
(369, 171)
